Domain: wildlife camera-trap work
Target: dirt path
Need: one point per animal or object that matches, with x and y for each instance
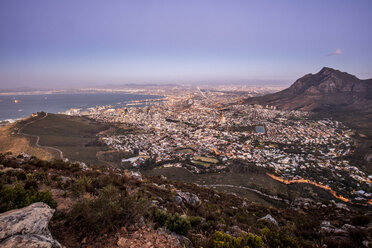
(38, 138)
(246, 188)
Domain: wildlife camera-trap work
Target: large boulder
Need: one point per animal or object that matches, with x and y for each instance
(268, 219)
(27, 227)
(30, 241)
(188, 199)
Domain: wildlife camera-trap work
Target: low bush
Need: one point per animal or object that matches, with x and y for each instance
(223, 240)
(194, 220)
(361, 220)
(173, 222)
(278, 238)
(111, 210)
(12, 197)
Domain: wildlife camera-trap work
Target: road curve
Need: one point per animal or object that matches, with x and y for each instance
(38, 138)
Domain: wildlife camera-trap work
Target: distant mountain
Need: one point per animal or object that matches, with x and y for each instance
(18, 89)
(329, 90)
(135, 86)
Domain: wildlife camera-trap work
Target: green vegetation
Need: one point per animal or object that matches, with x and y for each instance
(223, 240)
(172, 222)
(13, 197)
(278, 238)
(75, 136)
(98, 203)
(111, 210)
(267, 238)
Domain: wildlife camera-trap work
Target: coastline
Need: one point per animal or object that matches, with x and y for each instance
(57, 108)
(78, 91)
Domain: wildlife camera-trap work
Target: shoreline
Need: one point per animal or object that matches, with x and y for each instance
(35, 93)
(6, 121)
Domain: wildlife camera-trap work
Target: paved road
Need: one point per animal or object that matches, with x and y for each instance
(38, 138)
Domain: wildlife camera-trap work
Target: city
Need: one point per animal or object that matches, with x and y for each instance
(207, 132)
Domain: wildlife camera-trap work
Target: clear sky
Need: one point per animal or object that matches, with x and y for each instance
(54, 43)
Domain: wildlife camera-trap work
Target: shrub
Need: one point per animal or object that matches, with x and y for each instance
(253, 241)
(173, 222)
(361, 220)
(112, 209)
(31, 181)
(278, 238)
(12, 197)
(160, 217)
(20, 175)
(178, 224)
(81, 185)
(194, 220)
(223, 240)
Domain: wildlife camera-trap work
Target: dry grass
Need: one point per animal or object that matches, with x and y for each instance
(17, 144)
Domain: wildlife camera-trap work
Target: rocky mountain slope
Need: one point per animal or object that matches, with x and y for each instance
(102, 207)
(327, 90)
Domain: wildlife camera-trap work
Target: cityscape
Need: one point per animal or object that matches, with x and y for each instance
(185, 124)
(194, 132)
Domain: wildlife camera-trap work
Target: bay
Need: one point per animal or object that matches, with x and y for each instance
(19, 106)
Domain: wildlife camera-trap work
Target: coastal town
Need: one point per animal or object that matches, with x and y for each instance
(208, 132)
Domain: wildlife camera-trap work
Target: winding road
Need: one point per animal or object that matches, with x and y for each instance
(38, 137)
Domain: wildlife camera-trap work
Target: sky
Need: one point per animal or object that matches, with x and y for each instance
(80, 43)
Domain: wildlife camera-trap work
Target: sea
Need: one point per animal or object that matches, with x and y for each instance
(13, 107)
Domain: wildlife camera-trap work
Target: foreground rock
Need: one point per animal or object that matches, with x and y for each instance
(27, 227)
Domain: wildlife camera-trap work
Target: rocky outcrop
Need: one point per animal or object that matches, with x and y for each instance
(27, 227)
(187, 198)
(136, 175)
(269, 219)
(306, 204)
(30, 241)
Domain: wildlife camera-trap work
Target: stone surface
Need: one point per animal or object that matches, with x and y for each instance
(27, 227)
(30, 241)
(187, 198)
(268, 218)
(136, 175)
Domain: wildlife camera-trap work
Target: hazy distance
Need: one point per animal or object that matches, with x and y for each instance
(54, 44)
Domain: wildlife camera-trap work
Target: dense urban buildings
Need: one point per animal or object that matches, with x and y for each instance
(205, 131)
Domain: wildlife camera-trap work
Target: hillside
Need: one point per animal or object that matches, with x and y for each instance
(97, 207)
(331, 93)
(327, 90)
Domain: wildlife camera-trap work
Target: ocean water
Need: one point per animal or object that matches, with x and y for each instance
(19, 106)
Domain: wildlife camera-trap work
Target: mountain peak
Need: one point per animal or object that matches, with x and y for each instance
(327, 69)
(327, 89)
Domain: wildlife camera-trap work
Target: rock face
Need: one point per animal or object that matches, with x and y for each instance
(188, 199)
(268, 218)
(27, 227)
(327, 90)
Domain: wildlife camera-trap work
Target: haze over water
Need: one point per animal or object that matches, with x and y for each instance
(19, 106)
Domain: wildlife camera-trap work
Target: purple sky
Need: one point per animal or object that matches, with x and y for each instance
(51, 43)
